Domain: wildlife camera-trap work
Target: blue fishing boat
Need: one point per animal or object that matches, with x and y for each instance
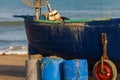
(73, 37)
(96, 39)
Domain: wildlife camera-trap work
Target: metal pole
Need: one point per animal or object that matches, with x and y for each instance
(49, 7)
(37, 4)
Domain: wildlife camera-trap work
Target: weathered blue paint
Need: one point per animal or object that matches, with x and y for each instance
(51, 69)
(75, 70)
(76, 40)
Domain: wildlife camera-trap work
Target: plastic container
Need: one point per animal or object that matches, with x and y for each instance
(51, 68)
(75, 70)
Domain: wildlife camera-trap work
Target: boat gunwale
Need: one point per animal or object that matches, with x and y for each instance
(71, 21)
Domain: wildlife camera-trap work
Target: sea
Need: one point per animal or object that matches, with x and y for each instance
(12, 32)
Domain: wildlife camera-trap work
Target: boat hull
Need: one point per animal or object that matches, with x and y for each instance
(74, 39)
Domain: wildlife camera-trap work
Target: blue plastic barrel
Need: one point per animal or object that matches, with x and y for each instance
(75, 70)
(51, 68)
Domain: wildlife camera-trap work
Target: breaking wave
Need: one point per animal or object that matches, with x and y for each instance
(14, 50)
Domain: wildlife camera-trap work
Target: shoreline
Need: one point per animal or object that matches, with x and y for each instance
(18, 50)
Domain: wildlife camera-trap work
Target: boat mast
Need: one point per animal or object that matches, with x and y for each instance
(37, 4)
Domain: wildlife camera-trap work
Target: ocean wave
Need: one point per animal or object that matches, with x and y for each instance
(14, 50)
(89, 14)
(11, 22)
(11, 40)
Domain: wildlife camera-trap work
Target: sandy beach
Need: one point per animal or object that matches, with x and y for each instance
(12, 67)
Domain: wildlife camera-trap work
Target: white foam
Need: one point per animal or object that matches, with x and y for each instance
(14, 50)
